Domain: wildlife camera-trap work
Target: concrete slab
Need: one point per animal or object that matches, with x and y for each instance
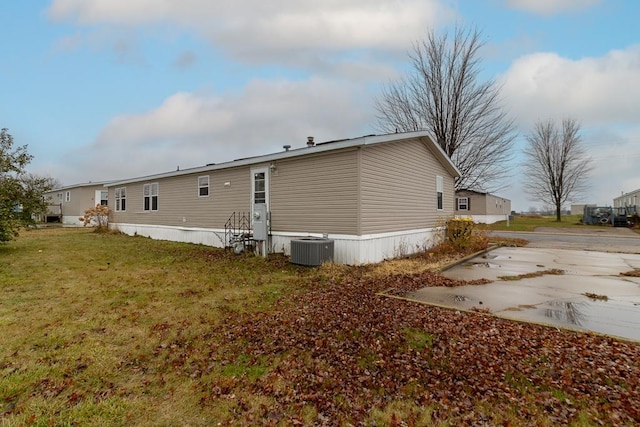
(551, 299)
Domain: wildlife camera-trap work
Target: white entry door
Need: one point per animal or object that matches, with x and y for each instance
(260, 206)
(260, 186)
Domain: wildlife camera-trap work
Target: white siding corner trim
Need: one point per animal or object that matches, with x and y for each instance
(348, 249)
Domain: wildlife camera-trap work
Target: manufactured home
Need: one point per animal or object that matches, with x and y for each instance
(483, 208)
(67, 204)
(373, 197)
(629, 199)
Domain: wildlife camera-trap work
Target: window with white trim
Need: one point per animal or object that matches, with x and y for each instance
(121, 199)
(463, 204)
(439, 191)
(67, 197)
(104, 197)
(150, 198)
(259, 187)
(203, 186)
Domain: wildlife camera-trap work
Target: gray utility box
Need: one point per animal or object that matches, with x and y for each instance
(311, 251)
(260, 222)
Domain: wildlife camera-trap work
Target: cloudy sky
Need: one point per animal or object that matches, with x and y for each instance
(110, 89)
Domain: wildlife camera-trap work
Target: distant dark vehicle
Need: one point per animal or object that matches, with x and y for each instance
(606, 215)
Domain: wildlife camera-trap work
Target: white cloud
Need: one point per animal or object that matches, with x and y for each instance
(258, 31)
(193, 129)
(616, 158)
(551, 7)
(602, 93)
(604, 90)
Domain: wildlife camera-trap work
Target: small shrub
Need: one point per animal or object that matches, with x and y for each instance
(97, 216)
(464, 234)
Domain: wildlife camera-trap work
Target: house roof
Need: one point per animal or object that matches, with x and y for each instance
(630, 193)
(320, 147)
(464, 190)
(84, 184)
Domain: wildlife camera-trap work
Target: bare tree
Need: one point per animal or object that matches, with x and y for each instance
(557, 165)
(444, 95)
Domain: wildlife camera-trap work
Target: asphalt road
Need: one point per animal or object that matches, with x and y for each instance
(599, 239)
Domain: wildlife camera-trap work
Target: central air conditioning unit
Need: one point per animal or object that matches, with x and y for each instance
(311, 251)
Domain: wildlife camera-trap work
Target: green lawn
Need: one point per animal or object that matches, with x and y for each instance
(531, 222)
(107, 329)
(84, 318)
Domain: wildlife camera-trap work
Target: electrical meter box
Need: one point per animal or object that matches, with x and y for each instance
(260, 222)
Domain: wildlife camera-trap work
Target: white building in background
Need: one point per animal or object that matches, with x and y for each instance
(627, 199)
(67, 204)
(481, 207)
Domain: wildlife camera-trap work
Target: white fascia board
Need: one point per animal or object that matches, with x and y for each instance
(82, 185)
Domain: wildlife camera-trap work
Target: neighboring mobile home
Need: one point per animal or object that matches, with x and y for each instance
(67, 204)
(376, 197)
(629, 199)
(482, 207)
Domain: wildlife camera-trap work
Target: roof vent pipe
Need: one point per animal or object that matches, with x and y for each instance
(286, 147)
(310, 142)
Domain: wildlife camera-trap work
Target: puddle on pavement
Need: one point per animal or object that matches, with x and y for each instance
(619, 317)
(549, 299)
(484, 265)
(495, 256)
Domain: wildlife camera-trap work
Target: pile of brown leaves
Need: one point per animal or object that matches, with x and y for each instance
(343, 350)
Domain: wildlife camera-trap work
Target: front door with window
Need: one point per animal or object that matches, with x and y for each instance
(260, 205)
(259, 186)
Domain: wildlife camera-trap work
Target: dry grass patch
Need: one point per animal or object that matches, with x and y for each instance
(632, 273)
(596, 296)
(551, 271)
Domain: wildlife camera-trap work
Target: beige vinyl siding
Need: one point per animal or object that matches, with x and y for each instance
(179, 203)
(497, 205)
(82, 198)
(477, 201)
(484, 204)
(398, 188)
(316, 194)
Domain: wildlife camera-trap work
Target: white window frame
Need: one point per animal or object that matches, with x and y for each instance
(203, 186)
(67, 196)
(265, 171)
(121, 196)
(151, 191)
(439, 193)
(465, 204)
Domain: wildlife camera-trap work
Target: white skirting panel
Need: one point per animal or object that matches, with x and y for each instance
(72, 220)
(201, 236)
(357, 250)
(347, 249)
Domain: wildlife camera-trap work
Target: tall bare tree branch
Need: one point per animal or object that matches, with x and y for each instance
(557, 165)
(443, 94)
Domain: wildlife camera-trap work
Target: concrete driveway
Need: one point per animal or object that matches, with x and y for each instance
(591, 295)
(596, 238)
